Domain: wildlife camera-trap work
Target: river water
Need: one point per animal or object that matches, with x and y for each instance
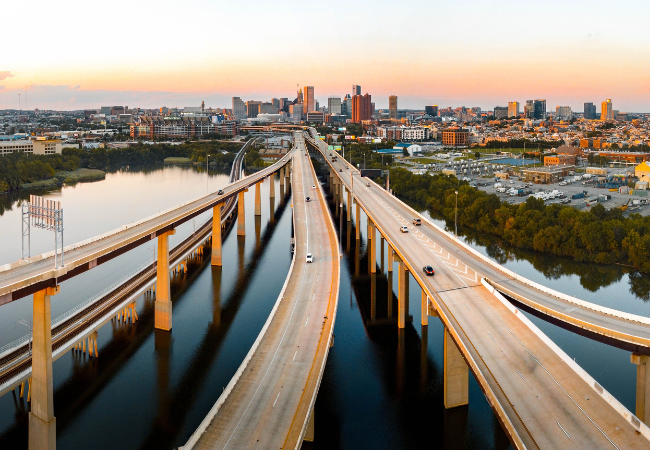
(381, 388)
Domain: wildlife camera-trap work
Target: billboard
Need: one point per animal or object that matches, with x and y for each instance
(350, 137)
(342, 129)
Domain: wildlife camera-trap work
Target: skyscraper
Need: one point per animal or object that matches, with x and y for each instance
(590, 111)
(501, 112)
(356, 90)
(513, 109)
(308, 93)
(431, 110)
(529, 109)
(606, 112)
(238, 108)
(348, 106)
(334, 105)
(563, 113)
(392, 106)
(361, 108)
(540, 109)
(252, 108)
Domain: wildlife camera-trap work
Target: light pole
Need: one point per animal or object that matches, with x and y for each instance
(456, 215)
(207, 172)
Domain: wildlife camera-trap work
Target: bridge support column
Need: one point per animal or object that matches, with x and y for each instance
(282, 177)
(425, 309)
(402, 293)
(642, 410)
(456, 375)
(358, 218)
(272, 185)
(372, 247)
(241, 215)
(349, 206)
(391, 259)
(42, 423)
(216, 235)
(163, 305)
(381, 250)
(258, 199)
(287, 173)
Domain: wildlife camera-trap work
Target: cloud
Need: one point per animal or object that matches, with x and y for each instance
(4, 74)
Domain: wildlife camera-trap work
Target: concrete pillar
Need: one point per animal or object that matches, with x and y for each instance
(349, 206)
(390, 258)
(309, 432)
(357, 257)
(163, 305)
(347, 240)
(241, 215)
(381, 249)
(372, 248)
(272, 209)
(402, 296)
(456, 374)
(282, 177)
(272, 185)
(424, 369)
(642, 411)
(425, 309)
(42, 423)
(358, 218)
(258, 231)
(216, 234)
(287, 172)
(258, 199)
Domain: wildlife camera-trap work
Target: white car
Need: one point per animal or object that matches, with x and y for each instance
(309, 258)
(404, 229)
(313, 186)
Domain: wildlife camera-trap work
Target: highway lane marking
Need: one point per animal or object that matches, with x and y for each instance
(522, 377)
(307, 320)
(294, 356)
(276, 399)
(562, 428)
(495, 343)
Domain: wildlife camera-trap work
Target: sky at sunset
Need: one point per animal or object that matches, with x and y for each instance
(78, 54)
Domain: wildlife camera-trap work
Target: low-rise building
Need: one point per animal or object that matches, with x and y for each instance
(547, 174)
(642, 171)
(455, 137)
(39, 146)
(557, 160)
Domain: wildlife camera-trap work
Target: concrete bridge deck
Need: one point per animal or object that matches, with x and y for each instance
(269, 402)
(541, 397)
(23, 278)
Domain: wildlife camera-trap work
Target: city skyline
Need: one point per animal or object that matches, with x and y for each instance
(484, 65)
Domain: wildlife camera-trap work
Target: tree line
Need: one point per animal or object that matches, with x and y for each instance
(17, 169)
(599, 235)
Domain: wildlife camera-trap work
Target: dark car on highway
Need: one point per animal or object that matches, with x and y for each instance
(428, 270)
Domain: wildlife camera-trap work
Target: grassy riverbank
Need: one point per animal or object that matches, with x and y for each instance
(67, 177)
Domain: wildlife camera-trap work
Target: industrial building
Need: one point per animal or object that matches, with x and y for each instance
(547, 174)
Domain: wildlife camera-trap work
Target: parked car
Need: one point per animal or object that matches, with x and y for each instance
(309, 258)
(428, 270)
(417, 222)
(404, 229)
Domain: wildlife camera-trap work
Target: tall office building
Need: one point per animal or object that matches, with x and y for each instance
(252, 109)
(513, 109)
(334, 105)
(361, 108)
(431, 110)
(606, 112)
(563, 112)
(276, 102)
(356, 90)
(308, 93)
(239, 108)
(392, 106)
(540, 109)
(297, 112)
(346, 106)
(529, 109)
(590, 111)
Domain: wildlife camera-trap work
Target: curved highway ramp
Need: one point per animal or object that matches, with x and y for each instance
(269, 402)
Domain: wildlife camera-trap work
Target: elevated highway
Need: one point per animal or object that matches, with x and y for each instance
(23, 278)
(542, 398)
(269, 402)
